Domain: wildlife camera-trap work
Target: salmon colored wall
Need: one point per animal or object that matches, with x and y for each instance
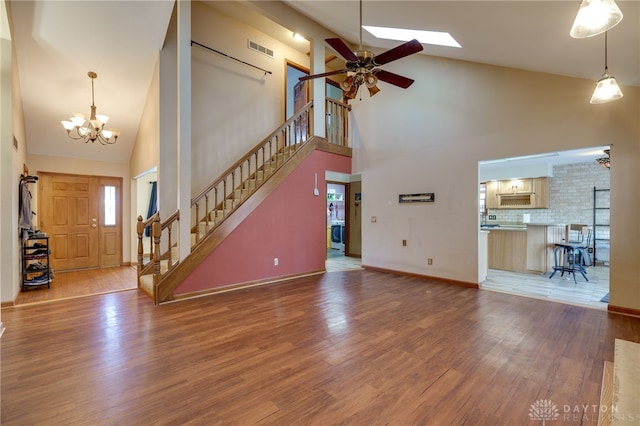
(290, 225)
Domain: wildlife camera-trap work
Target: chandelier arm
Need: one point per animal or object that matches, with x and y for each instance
(75, 138)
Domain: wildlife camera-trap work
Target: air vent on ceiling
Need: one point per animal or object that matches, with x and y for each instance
(261, 49)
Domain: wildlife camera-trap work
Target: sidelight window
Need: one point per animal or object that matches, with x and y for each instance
(110, 205)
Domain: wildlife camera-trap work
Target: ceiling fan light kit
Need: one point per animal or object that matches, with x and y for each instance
(362, 66)
(605, 161)
(93, 129)
(595, 17)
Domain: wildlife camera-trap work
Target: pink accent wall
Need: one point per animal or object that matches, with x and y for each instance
(290, 225)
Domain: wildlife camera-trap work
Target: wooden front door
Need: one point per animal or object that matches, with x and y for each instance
(72, 212)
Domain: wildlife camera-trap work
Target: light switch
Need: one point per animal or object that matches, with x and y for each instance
(374, 219)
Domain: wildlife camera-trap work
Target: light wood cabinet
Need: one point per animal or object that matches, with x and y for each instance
(540, 193)
(515, 186)
(530, 193)
(508, 250)
(491, 195)
(541, 241)
(524, 250)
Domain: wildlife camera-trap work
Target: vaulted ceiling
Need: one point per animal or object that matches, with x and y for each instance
(58, 42)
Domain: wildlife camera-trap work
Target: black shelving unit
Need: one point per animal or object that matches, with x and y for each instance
(36, 269)
(601, 219)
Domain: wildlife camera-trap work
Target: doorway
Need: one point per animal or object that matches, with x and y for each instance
(83, 217)
(343, 226)
(577, 171)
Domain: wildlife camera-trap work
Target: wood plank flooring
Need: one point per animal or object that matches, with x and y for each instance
(354, 347)
(81, 283)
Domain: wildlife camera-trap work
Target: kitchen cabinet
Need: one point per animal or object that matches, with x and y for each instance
(508, 249)
(515, 186)
(541, 241)
(530, 193)
(540, 193)
(527, 249)
(491, 195)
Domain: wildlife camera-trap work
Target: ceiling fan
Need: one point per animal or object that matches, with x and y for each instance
(362, 66)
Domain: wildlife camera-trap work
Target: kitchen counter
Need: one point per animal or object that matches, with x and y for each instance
(523, 247)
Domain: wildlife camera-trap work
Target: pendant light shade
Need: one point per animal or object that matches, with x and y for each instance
(595, 17)
(607, 88)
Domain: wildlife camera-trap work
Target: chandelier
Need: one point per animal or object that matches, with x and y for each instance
(78, 128)
(605, 161)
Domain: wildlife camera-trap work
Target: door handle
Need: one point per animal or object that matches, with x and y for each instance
(93, 225)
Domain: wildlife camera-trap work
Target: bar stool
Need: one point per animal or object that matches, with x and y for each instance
(568, 257)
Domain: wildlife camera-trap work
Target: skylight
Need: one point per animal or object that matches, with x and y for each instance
(428, 37)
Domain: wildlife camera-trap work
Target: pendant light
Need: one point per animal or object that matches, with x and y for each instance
(595, 17)
(607, 88)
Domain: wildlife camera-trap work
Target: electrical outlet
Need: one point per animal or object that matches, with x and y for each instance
(492, 217)
(429, 261)
(275, 261)
(374, 219)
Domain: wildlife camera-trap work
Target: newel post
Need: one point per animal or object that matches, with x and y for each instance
(140, 232)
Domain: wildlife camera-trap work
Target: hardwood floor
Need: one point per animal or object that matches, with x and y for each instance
(353, 347)
(67, 285)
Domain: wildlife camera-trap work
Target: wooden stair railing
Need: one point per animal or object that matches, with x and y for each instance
(228, 192)
(224, 195)
(336, 122)
(160, 258)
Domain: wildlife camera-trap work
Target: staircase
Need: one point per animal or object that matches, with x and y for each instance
(222, 205)
(620, 391)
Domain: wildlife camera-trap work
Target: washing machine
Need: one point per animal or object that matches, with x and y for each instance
(337, 236)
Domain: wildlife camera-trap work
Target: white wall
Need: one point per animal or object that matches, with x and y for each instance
(234, 106)
(430, 137)
(11, 161)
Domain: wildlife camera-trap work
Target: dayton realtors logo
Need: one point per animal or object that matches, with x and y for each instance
(543, 409)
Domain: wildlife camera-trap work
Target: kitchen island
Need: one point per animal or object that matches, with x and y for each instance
(523, 247)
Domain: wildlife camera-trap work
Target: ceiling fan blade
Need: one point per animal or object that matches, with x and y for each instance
(406, 49)
(391, 78)
(324, 74)
(342, 48)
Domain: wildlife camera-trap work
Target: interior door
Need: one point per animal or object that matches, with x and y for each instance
(69, 214)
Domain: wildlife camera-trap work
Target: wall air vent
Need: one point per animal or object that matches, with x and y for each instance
(260, 49)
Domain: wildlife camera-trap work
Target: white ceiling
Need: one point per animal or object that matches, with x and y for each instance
(57, 42)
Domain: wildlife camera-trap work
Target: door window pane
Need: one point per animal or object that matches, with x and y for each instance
(109, 205)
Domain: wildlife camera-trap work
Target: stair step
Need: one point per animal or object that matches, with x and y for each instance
(240, 194)
(250, 184)
(216, 216)
(626, 381)
(146, 284)
(606, 395)
(203, 227)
